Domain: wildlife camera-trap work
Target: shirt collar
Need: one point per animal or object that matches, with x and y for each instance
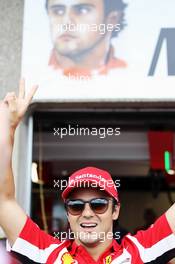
(112, 63)
(74, 248)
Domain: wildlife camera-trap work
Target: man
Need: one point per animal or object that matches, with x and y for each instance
(92, 204)
(81, 32)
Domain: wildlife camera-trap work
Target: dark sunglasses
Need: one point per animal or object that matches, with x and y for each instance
(97, 205)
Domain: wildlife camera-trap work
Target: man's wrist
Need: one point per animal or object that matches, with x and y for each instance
(12, 134)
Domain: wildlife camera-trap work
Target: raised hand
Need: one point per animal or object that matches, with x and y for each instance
(12, 109)
(4, 140)
(18, 105)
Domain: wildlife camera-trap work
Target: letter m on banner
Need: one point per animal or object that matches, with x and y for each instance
(168, 35)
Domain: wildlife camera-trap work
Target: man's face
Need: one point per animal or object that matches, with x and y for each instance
(102, 222)
(66, 16)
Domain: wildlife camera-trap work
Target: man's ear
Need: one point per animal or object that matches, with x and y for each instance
(116, 212)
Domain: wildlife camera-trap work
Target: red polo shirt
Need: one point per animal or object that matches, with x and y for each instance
(154, 246)
(112, 63)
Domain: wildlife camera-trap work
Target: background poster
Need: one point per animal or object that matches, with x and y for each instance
(91, 64)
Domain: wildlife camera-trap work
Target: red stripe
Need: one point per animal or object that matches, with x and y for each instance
(155, 233)
(32, 233)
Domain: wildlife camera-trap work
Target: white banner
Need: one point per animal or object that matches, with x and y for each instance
(100, 50)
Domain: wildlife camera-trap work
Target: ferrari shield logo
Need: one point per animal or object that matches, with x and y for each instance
(108, 260)
(67, 259)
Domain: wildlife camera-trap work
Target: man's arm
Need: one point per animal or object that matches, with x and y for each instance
(12, 109)
(171, 261)
(170, 215)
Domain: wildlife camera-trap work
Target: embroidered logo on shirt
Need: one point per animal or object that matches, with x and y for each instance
(108, 260)
(67, 259)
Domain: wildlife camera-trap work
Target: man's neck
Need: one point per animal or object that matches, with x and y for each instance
(93, 59)
(97, 249)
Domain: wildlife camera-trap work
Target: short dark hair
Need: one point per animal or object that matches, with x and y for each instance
(116, 5)
(114, 204)
(109, 6)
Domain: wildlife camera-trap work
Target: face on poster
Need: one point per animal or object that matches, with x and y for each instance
(100, 50)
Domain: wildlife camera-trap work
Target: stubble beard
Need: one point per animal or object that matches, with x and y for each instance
(79, 55)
